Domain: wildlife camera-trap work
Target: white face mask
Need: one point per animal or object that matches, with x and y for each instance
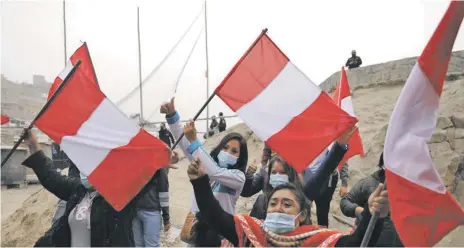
(278, 179)
(85, 182)
(225, 160)
(280, 223)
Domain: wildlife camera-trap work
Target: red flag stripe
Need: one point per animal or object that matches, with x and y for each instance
(436, 55)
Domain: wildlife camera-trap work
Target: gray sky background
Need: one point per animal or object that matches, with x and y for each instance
(317, 36)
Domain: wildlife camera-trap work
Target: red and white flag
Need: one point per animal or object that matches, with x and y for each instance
(422, 210)
(5, 119)
(118, 156)
(342, 97)
(82, 54)
(281, 105)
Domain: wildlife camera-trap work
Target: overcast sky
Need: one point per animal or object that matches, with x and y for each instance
(317, 36)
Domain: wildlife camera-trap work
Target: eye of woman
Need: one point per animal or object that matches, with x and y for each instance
(234, 151)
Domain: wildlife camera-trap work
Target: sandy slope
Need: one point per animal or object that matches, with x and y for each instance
(373, 107)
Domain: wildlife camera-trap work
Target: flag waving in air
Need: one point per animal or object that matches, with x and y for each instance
(82, 54)
(342, 97)
(281, 105)
(5, 119)
(422, 210)
(116, 155)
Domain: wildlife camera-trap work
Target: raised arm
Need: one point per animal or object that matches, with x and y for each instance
(314, 182)
(210, 210)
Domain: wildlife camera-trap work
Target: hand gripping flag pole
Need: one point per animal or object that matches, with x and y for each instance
(42, 111)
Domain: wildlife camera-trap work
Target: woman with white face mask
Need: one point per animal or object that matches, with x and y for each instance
(279, 172)
(284, 224)
(225, 166)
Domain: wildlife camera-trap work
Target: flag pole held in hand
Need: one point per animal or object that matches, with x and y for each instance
(370, 227)
(42, 111)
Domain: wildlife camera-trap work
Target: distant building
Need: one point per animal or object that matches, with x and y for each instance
(39, 80)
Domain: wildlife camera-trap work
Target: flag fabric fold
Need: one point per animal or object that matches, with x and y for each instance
(82, 54)
(281, 105)
(342, 97)
(117, 156)
(422, 210)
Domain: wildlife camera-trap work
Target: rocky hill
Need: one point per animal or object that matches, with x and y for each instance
(373, 106)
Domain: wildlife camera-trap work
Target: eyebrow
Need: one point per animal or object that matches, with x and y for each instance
(285, 199)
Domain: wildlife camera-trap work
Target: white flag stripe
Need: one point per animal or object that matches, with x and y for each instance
(411, 125)
(106, 129)
(347, 106)
(66, 70)
(287, 96)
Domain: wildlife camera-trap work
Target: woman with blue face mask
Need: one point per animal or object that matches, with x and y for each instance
(225, 166)
(284, 224)
(279, 172)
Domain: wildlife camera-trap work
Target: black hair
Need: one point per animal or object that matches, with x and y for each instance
(303, 202)
(291, 173)
(221, 114)
(381, 161)
(242, 159)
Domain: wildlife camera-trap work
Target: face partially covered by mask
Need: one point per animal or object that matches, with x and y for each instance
(226, 160)
(85, 181)
(284, 212)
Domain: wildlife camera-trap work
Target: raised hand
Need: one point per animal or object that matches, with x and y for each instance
(378, 201)
(190, 131)
(195, 169)
(168, 108)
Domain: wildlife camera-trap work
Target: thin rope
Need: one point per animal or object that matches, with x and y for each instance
(137, 88)
(183, 68)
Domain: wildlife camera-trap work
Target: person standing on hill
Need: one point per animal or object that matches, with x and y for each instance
(222, 123)
(354, 61)
(165, 135)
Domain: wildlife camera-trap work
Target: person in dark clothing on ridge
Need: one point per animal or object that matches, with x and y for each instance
(353, 204)
(165, 135)
(222, 122)
(354, 61)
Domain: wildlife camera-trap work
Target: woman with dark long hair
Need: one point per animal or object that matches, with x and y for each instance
(284, 225)
(225, 166)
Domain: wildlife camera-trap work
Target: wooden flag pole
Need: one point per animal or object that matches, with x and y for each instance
(195, 117)
(42, 111)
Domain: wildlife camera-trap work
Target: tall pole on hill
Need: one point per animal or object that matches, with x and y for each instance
(64, 32)
(207, 67)
(140, 67)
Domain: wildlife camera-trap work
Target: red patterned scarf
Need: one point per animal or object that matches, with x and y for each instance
(251, 229)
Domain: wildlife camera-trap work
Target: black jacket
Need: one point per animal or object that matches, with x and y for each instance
(358, 196)
(222, 124)
(166, 136)
(108, 226)
(155, 196)
(354, 62)
(224, 223)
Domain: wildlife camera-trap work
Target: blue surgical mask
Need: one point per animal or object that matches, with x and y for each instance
(278, 179)
(225, 160)
(280, 223)
(85, 181)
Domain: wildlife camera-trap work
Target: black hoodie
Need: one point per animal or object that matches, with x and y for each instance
(358, 197)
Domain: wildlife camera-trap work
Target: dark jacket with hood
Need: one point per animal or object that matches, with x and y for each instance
(358, 196)
(108, 226)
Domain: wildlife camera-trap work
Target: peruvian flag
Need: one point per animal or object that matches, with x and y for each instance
(82, 54)
(118, 156)
(281, 105)
(422, 210)
(5, 119)
(342, 97)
